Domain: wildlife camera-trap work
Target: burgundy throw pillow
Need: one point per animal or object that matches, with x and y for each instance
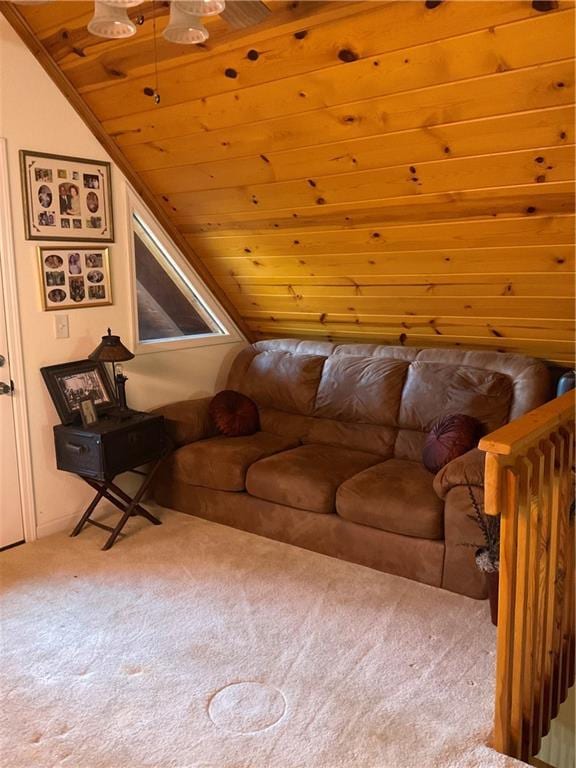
(450, 437)
(234, 414)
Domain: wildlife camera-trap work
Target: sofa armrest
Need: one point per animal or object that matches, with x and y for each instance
(467, 469)
(188, 420)
(461, 533)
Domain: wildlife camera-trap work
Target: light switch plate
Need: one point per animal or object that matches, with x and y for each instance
(62, 328)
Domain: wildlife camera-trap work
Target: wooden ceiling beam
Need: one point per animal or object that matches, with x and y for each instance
(24, 31)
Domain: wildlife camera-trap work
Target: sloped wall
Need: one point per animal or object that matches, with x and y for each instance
(43, 121)
(400, 171)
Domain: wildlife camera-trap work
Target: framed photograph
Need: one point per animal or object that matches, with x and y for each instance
(88, 412)
(69, 384)
(66, 198)
(74, 277)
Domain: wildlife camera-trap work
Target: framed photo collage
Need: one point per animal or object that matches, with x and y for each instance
(69, 199)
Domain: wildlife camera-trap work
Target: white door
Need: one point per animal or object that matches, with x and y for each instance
(11, 525)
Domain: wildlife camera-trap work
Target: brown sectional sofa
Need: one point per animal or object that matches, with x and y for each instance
(337, 467)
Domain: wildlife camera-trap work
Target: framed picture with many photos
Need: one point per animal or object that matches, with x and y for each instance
(74, 277)
(66, 198)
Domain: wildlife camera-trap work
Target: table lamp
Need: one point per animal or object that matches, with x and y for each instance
(111, 350)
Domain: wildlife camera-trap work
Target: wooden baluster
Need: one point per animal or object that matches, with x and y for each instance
(521, 644)
(548, 452)
(532, 511)
(494, 485)
(566, 434)
(507, 481)
(561, 574)
(536, 596)
(552, 628)
(568, 624)
(572, 582)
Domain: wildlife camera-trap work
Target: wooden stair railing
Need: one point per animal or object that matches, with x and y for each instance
(529, 483)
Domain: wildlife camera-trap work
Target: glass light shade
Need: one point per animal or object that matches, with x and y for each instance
(123, 3)
(201, 7)
(110, 21)
(184, 28)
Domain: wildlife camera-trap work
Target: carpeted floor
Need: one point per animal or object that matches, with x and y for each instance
(192, 645)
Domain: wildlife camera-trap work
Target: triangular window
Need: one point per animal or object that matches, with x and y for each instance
(169, 308)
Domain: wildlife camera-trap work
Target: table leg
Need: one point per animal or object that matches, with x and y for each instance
(102, 491)
(134, 503)
(138, 509)
(109, 497)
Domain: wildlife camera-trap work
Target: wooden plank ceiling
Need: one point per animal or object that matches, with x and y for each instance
(397, 171)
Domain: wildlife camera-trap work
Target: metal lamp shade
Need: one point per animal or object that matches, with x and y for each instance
(111, 350)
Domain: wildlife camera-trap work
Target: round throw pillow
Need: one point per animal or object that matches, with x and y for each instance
(234, 414)
(450, 437)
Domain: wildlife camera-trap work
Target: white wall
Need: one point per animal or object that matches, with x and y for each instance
(35, 115)
(559, 746)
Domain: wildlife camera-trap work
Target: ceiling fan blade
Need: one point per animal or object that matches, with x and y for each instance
(245, 13)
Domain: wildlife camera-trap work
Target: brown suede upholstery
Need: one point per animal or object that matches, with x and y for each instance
(361, 437)
(462, 538)
(188, 420)
(348, 422)
(284, 381)
(464, 470)
(485, 395)
(394, 496)
(409, 444)
(287, 424)
(418, 559)
(361, 389)
(306, 477)
(222, 462)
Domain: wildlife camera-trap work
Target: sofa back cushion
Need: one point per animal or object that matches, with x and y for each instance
(371, 438)
(281, 380)
(433, 390)
(365, 390)
(381, 399)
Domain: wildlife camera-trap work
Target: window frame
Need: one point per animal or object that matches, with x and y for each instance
(230, 333)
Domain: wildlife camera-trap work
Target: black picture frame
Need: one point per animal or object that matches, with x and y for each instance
(69, 383)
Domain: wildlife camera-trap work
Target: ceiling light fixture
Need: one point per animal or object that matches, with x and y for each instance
(123, 3)
(184, 28)
(202, 7)
(111, 21)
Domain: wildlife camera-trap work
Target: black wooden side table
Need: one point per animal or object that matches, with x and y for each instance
(99, 453)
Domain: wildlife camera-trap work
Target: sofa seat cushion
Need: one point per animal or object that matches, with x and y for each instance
(396, 496)
(306, 477)
(221, 463)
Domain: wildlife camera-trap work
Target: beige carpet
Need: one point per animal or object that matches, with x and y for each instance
(192, 645)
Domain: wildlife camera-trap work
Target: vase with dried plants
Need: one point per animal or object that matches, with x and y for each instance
(488, 555)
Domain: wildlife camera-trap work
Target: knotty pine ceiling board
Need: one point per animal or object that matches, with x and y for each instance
(399, 171)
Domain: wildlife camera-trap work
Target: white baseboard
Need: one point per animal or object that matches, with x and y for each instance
(56, 526)
(68, 522)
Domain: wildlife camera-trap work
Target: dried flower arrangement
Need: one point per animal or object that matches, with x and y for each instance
(488, 556)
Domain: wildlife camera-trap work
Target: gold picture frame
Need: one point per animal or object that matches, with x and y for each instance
(72, 278)
(66, 198)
